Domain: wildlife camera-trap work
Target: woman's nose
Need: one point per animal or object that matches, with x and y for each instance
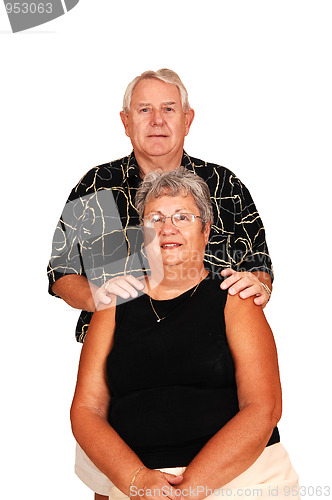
(168, 227)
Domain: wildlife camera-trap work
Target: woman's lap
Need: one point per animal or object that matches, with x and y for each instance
(271, 476)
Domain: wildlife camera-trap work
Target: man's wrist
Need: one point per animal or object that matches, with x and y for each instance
(267, 289)
(264, 277)
(76, 291)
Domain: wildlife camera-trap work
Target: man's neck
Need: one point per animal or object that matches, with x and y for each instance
(165, 162)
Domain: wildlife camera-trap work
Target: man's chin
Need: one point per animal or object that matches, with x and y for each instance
(157, 151)
(158, 147)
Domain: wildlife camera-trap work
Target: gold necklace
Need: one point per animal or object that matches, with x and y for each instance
(153, 309)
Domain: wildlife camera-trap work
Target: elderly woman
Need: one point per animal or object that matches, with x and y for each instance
(183, 378)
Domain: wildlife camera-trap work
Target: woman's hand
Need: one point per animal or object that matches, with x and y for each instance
(190, 490)
(125, 286)
(155, 485)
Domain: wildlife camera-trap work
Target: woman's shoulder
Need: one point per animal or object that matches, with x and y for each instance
(213, 280)
(210, 287)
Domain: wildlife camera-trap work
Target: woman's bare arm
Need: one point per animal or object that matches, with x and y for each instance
(239, 443)
(89, 412)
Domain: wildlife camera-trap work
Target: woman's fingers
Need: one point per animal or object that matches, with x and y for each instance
(172, 479)
(156, 485)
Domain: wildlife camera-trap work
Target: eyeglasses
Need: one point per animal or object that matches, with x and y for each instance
(179, 219)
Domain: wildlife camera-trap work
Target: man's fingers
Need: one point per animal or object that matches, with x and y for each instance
(123, 286)
(122, 289)
(236, 284)
(246, 288)
(136, 282)
(246, 285)
(104, 299)
(261, 300)
(101, 296)
(227, 272)
(230, 281)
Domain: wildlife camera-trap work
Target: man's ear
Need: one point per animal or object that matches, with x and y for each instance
(190, 115)
(124, 119)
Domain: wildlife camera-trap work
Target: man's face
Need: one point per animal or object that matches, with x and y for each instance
(156, 123)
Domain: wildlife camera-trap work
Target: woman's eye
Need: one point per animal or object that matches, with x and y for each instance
(182, 217)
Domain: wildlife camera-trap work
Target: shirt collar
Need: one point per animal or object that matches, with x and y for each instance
(186, 161)
(131, 168)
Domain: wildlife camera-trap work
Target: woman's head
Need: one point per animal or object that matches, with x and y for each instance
(175, 206)
(174, 183)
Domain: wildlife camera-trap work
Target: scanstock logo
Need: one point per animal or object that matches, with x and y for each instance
(25, 15)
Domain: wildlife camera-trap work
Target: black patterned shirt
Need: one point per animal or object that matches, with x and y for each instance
(98, 237)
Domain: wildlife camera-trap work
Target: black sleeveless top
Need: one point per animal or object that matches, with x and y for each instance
(172, 383)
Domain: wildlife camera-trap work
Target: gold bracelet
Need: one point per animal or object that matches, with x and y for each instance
(134, 477)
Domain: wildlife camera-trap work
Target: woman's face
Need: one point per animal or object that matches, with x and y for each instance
(176, 246)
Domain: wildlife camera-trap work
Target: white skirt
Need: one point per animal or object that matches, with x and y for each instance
(271, 476)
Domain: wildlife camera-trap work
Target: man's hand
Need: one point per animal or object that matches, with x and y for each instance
(123, 286)
(246, 284)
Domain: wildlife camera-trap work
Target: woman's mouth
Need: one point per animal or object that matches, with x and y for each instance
(170, 245)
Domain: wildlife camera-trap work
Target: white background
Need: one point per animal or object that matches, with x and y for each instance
(259, 77)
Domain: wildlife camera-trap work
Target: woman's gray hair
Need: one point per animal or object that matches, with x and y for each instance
(165, 75)
(173, 183)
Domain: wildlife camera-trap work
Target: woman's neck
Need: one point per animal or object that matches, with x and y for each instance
(174, 282)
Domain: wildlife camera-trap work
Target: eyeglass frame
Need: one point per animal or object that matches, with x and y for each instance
(164, 217)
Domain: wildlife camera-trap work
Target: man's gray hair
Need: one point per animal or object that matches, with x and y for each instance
(165, 75)
(173, 183)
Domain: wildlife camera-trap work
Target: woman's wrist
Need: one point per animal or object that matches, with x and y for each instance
(134, 478)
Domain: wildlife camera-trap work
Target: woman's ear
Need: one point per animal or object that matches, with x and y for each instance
(207, 232)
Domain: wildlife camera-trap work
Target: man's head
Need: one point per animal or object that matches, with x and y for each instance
(164, 75)
(157, 117)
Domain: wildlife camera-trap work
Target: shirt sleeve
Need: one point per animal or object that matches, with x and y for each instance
(66, 257)
(250, 251)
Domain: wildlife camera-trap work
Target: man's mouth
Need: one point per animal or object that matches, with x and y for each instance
(158, 135)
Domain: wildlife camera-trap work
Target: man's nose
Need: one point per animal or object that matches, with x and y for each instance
(157, 117)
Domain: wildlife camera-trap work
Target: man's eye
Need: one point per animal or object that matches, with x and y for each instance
(144, 110)
(168, 109)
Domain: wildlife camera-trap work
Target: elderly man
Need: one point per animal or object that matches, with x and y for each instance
(94, 243)
(156, 116)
